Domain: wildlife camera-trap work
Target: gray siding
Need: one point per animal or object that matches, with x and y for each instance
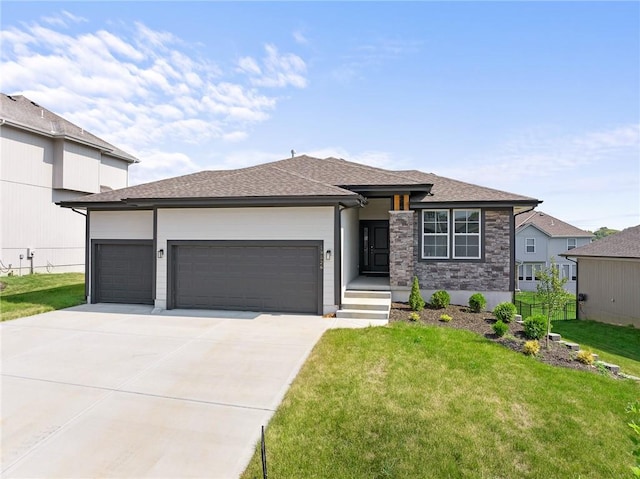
(612, 287)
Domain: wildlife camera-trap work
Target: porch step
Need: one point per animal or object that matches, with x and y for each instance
(369, 305)
(376, 304)
(362, 314)
(353, 293)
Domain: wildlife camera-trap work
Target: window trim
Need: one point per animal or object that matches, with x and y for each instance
(448, 234)
(450, 241)
(526, 246)
(478, 234)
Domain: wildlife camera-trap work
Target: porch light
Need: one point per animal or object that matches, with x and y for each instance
(328, 255)
(160, 253)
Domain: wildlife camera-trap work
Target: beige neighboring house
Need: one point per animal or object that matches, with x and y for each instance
(609, 278)
(540, 238)
(45, 159)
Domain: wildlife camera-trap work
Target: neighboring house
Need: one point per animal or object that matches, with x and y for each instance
(45, 159)
(609, 278)
(293, 235)
(541, 237)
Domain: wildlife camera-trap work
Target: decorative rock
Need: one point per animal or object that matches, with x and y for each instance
(614, 368)
(518, 318)
(595, 356)
(554, 337)
(573, 346)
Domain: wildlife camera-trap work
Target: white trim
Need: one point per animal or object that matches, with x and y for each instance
(436, 235)
(526, 246)
(478, 234)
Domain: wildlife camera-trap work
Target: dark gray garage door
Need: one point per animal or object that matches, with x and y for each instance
(278, 276)
(123, 273)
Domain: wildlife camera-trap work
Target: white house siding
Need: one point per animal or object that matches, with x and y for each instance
(113, 173)
(28, 216)
(119, 225)
(612, 290)
(272, 223)
(350, 241)
(76, 167)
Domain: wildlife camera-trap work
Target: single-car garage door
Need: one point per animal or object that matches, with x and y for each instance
(277, 276)
(123, 272)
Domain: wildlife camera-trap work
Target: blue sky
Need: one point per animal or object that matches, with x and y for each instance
(536, 98)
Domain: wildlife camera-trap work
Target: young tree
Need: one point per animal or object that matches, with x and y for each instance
(551, 292)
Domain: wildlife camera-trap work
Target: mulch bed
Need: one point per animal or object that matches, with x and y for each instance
(481, 323)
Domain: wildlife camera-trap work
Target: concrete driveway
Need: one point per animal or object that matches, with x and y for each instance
(115, 391)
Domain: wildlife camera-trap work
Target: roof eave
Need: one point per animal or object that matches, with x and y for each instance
(472, 204)
(229, 202)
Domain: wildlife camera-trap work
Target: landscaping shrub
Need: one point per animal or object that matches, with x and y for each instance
(531, 348)
(585, 357)
(535, 327)
(477, 302)
(445, 317)
(505, 312)
(414, 316)
(500, 328)
(440, 299)
(415, 298)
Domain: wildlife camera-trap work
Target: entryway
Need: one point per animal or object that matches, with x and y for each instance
(374, 247)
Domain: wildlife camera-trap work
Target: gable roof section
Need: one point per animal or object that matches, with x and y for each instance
(549, 225)
(302, 178)
(20, 112)
(625, 244)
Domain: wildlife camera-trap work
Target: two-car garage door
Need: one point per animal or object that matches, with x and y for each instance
(280, 276)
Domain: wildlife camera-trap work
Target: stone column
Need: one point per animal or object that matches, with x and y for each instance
(401, 248)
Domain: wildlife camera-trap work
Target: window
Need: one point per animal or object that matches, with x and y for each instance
(529, 271)
(451, 234)
(466, 234)
(569, 272)
(530, 245)
(571, 243)
(435, 234)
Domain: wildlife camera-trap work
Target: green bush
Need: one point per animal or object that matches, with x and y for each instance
(535, 327)
(477, 302)
(415, 299)
(445, 317)
(440, 299)
(414, 316)
(505, 312)
(531, 348)
(500, 328)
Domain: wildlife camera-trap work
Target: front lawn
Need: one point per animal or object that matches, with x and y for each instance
(39, 293)
(411, 400)
(615, 344)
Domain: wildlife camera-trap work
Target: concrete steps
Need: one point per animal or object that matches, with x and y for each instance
(366, 305)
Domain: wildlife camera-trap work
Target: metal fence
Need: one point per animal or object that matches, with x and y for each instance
(568, 311)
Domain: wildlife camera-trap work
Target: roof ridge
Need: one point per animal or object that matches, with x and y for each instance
(397, 173)
(271, 165)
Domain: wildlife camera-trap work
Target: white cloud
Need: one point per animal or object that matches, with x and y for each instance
(277, 71)
(299, 37)
(141, 89)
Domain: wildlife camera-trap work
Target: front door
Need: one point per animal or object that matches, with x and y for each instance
(374, 247)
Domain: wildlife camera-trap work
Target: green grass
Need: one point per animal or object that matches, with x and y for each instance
(39, 293)
(615, 344)
(414, 401)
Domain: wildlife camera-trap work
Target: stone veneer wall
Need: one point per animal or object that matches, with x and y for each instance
(492, 274)
(402, 250)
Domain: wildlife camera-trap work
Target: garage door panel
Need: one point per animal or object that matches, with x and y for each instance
(250, 276)
(123, 273)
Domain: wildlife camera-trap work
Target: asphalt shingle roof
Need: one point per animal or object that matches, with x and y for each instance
(625, 244)
(302, 176)
(550, 225)
(22, 112)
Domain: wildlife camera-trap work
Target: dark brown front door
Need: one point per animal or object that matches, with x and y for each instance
(374, 247)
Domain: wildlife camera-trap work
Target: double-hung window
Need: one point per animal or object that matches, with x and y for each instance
(571, 243)
(466, 234)
(530, 245)
(450, 234)
(435, 234)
